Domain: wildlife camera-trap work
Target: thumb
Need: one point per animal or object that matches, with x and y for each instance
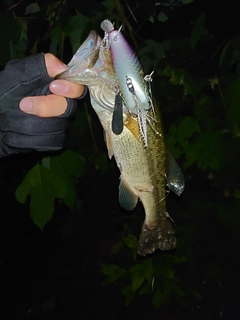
(54, 65)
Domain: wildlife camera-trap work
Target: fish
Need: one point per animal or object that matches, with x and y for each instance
(134, 87)
(143, 170)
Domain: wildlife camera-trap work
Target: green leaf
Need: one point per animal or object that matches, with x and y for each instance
(21, 46)
(207, 151)
(9, 2)
(237, 193)
(137, 281)
(129, 294)
(141, 272)
(9, 38)
(167, 71)
(177, 77)
(232, 103)
(146, 289)
(224, 52)
(132, 242)
(187, 1)
(173, 259)
(113, 272)
(172, 142)
(151, 53)
(158, 298)
(46, 162)
(191, 85)
(109, 5)
(175, 288)
(230, 52)
(162, 17)
(74, 29)
(67, 165)
(187, 127)
(43, 186)
(235, 58)
(151, 19)
(148, 269)
(203, 106)
(32, 8)
(137, 275)
(56, 38)
(199, 30)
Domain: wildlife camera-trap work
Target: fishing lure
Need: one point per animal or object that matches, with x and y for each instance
(117, 119)
(134, 87)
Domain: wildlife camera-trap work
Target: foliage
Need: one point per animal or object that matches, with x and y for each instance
(153, 275)
(51, 179)
(196, 81)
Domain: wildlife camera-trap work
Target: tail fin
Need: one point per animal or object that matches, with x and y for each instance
(156, 236)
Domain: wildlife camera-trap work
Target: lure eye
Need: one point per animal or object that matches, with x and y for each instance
(115, 38)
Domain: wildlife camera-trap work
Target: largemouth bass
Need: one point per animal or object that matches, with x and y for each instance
(143, 169)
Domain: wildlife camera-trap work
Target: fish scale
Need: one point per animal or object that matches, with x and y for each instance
(143, 169)
(143, 175)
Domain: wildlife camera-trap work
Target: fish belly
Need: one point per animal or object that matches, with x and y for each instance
(143, 173)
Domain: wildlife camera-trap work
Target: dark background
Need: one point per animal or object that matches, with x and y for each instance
(56, 273)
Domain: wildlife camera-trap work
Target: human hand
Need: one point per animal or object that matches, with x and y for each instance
(22, 132)
(55, 104)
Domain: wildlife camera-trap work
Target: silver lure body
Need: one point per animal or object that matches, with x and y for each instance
(134, 87)
(129, 73)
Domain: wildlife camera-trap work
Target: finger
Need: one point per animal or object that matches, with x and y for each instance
(66, 88)
(39, 105)
(54, 65)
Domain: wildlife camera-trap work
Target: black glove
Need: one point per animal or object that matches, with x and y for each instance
(21, 132)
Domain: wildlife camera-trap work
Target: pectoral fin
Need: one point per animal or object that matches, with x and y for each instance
(127, 199)
(175, 178)
(117, 119)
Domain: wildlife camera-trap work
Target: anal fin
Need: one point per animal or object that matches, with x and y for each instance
(127, 198)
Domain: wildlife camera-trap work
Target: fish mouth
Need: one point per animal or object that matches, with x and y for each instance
(92, 66)
(160, 236)
(87, 54)
(83, 61)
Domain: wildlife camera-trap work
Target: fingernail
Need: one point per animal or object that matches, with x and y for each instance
(26, 105)
(58, 87)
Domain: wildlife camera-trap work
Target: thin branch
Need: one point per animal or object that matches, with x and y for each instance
(15, 5)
